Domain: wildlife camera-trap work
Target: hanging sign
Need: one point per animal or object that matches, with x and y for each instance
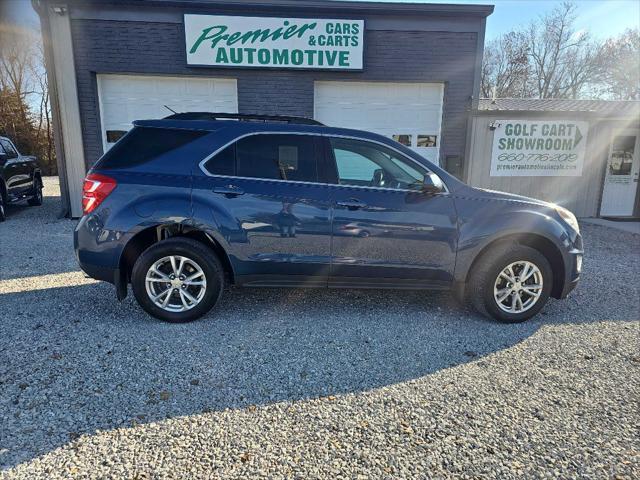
(528, 148)
(262, 42)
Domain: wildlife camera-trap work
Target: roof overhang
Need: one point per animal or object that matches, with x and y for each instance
(383, 8)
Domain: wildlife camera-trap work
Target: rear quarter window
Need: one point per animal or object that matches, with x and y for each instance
(143, 144)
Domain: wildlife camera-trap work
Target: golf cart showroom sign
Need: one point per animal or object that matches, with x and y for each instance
(524, 148)
(229, 41)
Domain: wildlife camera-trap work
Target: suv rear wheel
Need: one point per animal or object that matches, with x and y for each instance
(177, 280)
(510, 283)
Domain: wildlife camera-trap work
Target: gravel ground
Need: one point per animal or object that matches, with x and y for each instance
(311, 384)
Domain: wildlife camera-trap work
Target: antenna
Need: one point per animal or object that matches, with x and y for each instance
(169, 108)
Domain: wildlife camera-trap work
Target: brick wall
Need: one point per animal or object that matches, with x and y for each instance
(106, 46)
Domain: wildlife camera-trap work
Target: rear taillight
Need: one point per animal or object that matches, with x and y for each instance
(95, 189)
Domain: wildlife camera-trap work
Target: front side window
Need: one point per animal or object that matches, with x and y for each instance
(365, 164)
(9, 149)
(269, 156)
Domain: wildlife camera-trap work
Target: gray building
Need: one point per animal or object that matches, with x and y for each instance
(405, 70)
(581, 154)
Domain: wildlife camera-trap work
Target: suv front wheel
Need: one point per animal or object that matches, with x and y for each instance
(177, 280)
(510, 284)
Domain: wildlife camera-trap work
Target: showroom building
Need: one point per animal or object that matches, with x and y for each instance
(581, 154)
(405, 70)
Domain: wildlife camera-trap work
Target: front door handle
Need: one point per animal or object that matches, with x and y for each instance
(229, 191)
(352, 204)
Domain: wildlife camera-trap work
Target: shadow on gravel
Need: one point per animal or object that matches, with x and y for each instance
(73, 360)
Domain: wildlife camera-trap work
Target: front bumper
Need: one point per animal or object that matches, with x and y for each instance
(573, 268)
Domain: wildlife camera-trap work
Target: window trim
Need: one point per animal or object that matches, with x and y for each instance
(321, 135)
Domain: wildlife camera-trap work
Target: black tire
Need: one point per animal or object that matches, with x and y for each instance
(206, 259)
(3, 212)
(479, 289)
(36, 199)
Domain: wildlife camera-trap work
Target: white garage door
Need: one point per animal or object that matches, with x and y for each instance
(411, 113)
(125, 98)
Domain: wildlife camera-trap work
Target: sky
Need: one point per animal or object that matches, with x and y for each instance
(602, 18)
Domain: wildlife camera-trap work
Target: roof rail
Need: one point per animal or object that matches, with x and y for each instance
(242, 117)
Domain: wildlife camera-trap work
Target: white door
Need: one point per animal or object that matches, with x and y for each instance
(125, 98)
(621, 178)
(410, 113)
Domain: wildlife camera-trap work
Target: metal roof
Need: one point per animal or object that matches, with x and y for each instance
(621, 108)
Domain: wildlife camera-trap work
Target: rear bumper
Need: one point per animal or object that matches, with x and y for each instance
(97, 250)
(99, 272)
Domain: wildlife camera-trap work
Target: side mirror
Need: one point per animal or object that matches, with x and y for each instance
(432, 185)
(3, 156)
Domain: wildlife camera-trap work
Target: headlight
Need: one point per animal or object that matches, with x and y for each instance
(568, 217)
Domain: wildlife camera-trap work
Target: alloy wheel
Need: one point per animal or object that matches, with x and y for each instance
(518, 287)
(175, 283)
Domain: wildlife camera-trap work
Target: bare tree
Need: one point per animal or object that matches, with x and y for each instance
(548, 59)
(563, 61)
(16, 57)
(505, 67)
(25, 112)
(44, 127)
(621, 66)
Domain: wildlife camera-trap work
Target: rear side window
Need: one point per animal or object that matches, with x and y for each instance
(277, 157)
(143, 144)
(223, 163)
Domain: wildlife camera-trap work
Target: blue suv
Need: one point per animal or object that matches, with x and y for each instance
(181, 205)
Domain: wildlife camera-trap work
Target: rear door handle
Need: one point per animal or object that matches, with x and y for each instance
(229, 191)
(352, 204)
